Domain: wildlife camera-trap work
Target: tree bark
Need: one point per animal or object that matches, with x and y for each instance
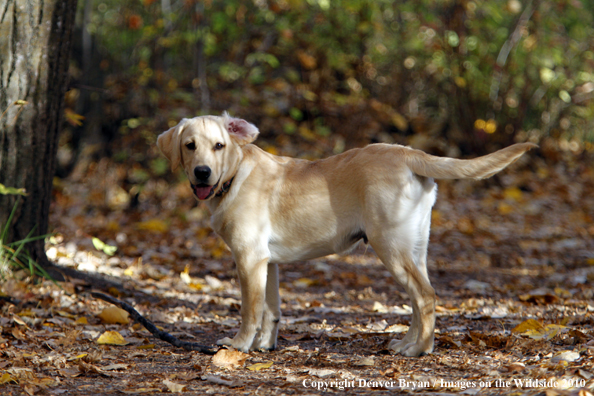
(35, 43)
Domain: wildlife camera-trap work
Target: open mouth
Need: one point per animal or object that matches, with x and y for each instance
(203, 191)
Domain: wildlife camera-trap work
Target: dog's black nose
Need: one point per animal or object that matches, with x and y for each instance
(202, 173)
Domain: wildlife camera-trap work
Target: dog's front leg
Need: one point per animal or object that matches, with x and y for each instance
(252, 279)
(266, 337)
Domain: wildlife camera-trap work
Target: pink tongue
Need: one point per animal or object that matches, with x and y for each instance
(202, 192)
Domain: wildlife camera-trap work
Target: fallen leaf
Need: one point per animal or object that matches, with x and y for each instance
(70, 372)
(304, 282)
(529, 324)
(260, 366)
(229, 358)
(397, 328)
(379, 307)
(65, 314)
(11, 190)
(111, 338)
(321, 373)
(505, 208)
(142, 390)
(153, 225)
(367, 361)
(114, 315)
(516, 367)
(187, 279)
(450, 342)
(567, 356)
(104, 247)
(174, 387)
(218, 380)
(19, 321)
(116, 366)
(16, 333)
(513, 193)
(6, 378)
(82, 355)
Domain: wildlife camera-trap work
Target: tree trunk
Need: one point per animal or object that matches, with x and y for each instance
(35, 42)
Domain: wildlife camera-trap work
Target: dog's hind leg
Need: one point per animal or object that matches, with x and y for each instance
(420, 259)
(252, 279)
(266, 337)
(401, 262)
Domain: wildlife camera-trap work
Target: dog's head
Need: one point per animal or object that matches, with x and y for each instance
(208, 148)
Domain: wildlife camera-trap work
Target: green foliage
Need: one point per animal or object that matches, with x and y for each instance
(11, 190)
(15, 256)
(526, 69)
(104, 247)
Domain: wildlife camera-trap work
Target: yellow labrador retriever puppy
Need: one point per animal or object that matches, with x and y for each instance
(272, 209)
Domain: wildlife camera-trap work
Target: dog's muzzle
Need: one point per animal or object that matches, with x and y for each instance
(203, 191)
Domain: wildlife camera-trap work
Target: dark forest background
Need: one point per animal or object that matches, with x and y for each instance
(455, 78)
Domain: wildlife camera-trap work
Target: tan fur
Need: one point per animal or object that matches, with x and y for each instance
(282, 209)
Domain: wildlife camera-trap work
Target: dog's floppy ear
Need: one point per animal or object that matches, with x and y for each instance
(240, 130)
(169, 144)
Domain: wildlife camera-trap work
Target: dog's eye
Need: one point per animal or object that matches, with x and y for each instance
(191, 146)
(219, 146)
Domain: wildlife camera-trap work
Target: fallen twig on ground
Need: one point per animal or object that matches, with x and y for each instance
(162, 335)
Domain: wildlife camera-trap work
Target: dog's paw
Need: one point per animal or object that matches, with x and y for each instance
(225, 341)
(399, 345)
(264, 343)
(415, 350)
(410, 349)
(234, 343)
(263, 347)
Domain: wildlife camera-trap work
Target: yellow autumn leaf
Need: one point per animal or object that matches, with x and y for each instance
(513, 193)
(527, 325)
(72, 118)
(114, 315)
(6, 378)
(111, 338)
(81, 321)
(65, 314)
(504, 208)
(547, 333)
(436, 215)
(27, 313)
(153, 225)
(147, 346)
(304, 282)
(272, 150)
(259, 366)
(535, 334)
(561, 292)
(82, 355)
(187, 279)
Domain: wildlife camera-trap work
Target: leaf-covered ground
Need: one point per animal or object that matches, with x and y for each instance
(511, 259)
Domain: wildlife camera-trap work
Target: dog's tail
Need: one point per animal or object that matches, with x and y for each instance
(450, 168)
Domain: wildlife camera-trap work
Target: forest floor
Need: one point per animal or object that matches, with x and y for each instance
(511, 260)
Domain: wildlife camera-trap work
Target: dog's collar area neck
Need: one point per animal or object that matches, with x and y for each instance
(225, 188)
